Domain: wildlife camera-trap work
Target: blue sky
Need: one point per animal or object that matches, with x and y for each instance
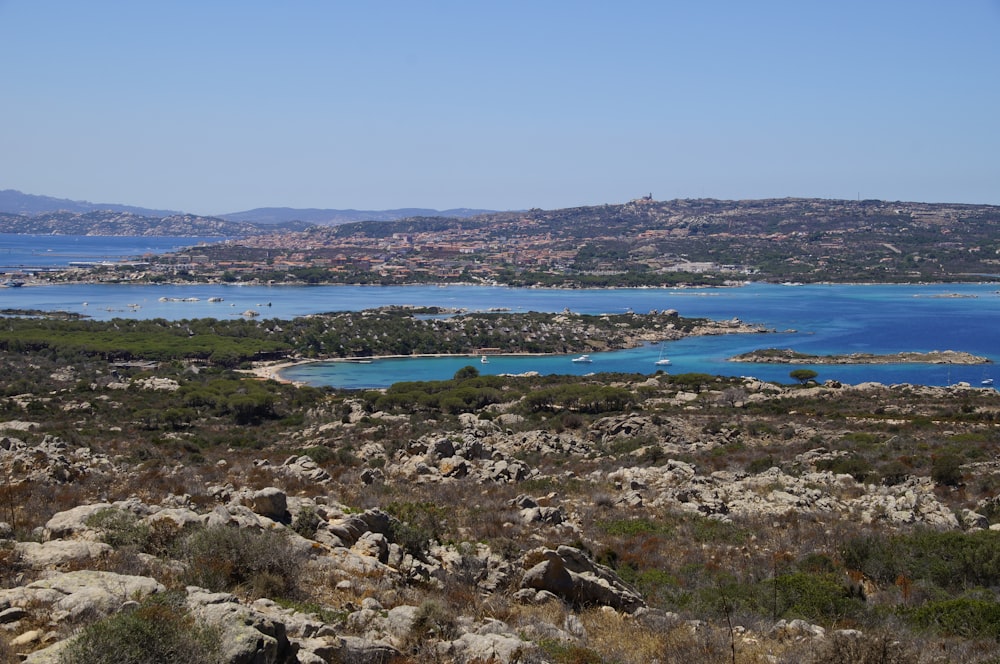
(226, 105)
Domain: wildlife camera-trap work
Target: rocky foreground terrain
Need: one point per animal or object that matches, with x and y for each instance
(701, 520)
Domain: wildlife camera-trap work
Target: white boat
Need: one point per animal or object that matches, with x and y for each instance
(662, 361)
(583, 359)
(484, 360)
(987, 382)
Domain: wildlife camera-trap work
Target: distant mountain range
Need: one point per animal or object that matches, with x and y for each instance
(16, 202)
(335, 217)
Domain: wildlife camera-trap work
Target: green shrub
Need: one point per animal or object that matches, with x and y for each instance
(715, 531)
(432, 621)
(946, 469)
(969, 618)
(223, 558)
(306, 522)
(120, 528)
(814, 597)
(758, 466)
(466, 373)
(159, 631)
(803, 375)
(853, 465)
(655, 585)
(319, 453)
(950, 560)
(416, 525)
(634, 527)
(817, 563)
(563, 653)
(894, 472)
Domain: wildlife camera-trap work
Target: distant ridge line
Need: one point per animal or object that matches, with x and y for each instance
(330, 217)
(16, 202)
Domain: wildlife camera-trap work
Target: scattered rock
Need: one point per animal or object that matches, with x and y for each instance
(568, 573)
(58, 553)
(272, 503)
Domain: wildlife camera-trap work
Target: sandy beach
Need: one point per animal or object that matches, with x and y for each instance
(272, 370)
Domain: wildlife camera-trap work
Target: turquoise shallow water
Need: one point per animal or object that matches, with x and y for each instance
(826, 319)
(812, 319)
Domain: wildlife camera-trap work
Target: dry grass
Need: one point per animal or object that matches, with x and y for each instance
(7, 653)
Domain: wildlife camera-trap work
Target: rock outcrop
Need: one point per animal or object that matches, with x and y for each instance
(567, 573)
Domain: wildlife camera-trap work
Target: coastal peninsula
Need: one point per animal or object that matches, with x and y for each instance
(789, 356)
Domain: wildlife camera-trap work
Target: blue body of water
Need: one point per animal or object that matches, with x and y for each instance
(20, 252)
(826, 319)
(812, 319)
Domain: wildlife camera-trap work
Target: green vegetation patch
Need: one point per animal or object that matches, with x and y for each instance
(159, 631)
(965, 617)
(263, 563)
(952, 561)
(634, 527)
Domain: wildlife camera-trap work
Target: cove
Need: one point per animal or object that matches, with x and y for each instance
(817, 318)
(822, 319)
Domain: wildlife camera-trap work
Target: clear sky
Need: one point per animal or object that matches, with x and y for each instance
(214, 106)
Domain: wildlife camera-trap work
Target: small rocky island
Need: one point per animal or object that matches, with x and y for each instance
(789, 356)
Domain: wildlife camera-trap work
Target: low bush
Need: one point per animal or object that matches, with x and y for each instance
(950, 560)
(261, 563)
(946, 468)
(433, 621)
(862, 649)
(856, 466)
(416, 525)
(120, 528)
(965, 617)
(159, 631)
(814, 597)
(758, 466)
(306, 522)
(635, 527)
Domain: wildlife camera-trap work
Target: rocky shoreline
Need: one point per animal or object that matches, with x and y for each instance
(789, 356)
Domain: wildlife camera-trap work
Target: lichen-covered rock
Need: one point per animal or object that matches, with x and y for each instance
(373, 545)
(361, 651)
(796, 629)
(303, 468)
(79, 594)
(272, 503)
(49, 655)
(57, 553)
(568, 573)
(236, 516)
(499, 648)
(248, 636)
(178, 518)
(73, 521)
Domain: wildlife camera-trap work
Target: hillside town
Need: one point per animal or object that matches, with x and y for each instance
(640, 243)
